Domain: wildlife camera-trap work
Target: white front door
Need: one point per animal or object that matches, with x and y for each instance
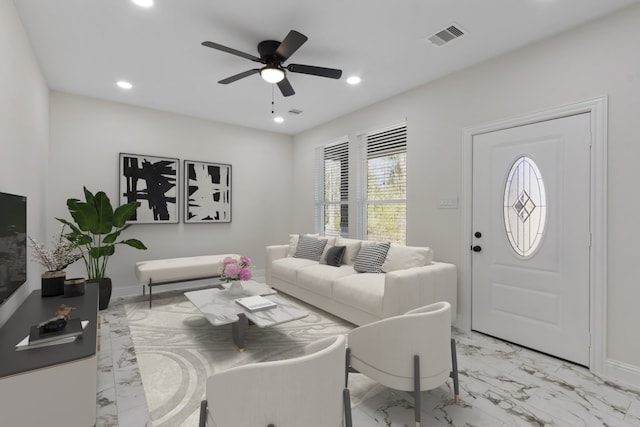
(531, 211)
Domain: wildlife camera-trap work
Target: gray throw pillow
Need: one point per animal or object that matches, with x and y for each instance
(334, 255)
(309, 248)
(371, 257)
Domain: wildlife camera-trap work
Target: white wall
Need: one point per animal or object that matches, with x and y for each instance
(86, 138)
(598, 59)
(23, 135)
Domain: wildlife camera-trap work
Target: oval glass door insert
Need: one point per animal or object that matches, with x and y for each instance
(525, 206)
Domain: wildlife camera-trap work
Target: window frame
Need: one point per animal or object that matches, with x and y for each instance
(338, 150)
(378, 143)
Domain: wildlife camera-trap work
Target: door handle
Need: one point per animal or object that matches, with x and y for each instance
(476, 248)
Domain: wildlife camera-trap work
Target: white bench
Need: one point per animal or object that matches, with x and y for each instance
(174, 270)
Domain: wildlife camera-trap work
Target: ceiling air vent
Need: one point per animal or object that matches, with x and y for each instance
(450, 33)
(294, 111)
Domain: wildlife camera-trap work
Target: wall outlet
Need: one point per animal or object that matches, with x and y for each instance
(448, 203)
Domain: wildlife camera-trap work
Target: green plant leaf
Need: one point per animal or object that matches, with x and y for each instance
(105, 213)
(88, 196)
(111, 237)
(101, 251)
(134, 243)
(83, 214)
(124, 213)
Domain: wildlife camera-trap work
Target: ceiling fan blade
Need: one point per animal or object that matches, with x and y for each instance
(331, 73)
(226, 49)
(290, 44)
(285, 87)
(239, 76)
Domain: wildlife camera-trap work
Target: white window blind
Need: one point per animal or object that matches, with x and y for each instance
(332, 194)
(384, 207)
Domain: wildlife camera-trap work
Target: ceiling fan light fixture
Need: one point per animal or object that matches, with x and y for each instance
(272, 74)
(143, 3)
(124, 85)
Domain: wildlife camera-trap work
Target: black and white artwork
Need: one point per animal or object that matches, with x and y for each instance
(207, 192)
(153, 181)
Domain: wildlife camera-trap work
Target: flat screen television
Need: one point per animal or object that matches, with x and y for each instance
(13, 244)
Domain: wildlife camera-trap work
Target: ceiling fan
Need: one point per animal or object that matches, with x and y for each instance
(272, 55)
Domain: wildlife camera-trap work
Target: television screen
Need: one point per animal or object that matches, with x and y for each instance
(13, 244)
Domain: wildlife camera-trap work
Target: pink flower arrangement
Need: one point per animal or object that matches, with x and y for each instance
(233, 269)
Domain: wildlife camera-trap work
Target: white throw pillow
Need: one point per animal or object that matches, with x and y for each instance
(403, 257)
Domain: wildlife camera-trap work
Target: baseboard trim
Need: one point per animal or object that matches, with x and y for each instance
(623, 373)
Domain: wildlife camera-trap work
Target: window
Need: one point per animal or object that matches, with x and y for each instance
(525, 206)
(384, 207)
(332, 192)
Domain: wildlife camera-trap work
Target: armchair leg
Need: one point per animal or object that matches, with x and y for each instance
(416, 388)
(347, 366)
(203, 414)
(454, 372)
(346, 401)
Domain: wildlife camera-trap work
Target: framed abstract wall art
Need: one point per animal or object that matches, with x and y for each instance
(207, 192)
(152, 181)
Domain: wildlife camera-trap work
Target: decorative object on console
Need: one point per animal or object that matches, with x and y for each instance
(55, 261)
(154, 180)
(55, 329)
(97, 228)
(207, 192)
(235, 271)
(64, 310)
(74, 287)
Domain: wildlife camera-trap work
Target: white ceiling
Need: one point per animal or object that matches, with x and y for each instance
(85, 46)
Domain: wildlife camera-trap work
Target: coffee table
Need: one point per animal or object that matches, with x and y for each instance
(219, 307)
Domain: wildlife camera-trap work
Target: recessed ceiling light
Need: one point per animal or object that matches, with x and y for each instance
(143, 3)
(278, 119)
(353, 80)
(124, 85)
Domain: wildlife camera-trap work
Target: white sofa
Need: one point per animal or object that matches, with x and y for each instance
(410, 279)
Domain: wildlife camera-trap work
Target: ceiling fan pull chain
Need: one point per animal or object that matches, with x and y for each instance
(273, 104)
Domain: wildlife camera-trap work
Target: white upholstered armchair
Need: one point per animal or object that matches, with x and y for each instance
(304, 391)
(411, 352)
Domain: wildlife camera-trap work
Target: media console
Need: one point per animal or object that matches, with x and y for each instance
(53, 385)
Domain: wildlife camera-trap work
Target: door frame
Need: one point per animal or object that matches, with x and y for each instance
(598, 113)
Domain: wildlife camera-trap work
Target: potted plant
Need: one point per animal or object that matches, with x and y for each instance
(97, 228)
(55, 261)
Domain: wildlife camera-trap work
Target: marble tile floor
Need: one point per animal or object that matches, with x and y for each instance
(501, 385)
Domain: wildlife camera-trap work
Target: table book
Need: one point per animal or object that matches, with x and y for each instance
(255, 303)
(27, 343)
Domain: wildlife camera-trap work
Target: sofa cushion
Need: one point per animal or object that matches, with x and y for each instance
(287, 268)
(351, 250)
(335, 255)
(371, 257)
(310, 248)
(403, 257)
(363, 291)
(293, 242)
(319, 278)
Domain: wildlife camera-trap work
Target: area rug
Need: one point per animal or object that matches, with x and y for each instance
(177, 349)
